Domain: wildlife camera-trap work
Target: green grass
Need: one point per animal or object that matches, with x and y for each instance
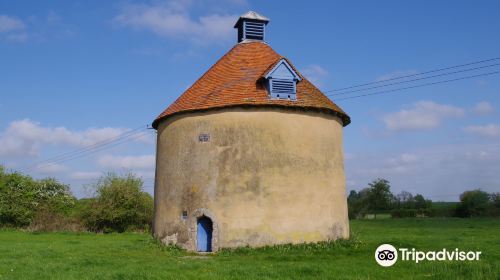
(136, 256)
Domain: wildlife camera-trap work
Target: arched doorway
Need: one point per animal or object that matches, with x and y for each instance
(204, 234)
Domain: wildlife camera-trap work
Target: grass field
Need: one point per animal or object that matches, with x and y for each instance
(136, 256)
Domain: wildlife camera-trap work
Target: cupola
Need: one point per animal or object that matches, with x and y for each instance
(251, 26)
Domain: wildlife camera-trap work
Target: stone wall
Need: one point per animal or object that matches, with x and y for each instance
(266, 176)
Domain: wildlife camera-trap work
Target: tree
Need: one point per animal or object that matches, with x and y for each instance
(119, 204)
(495, 197)
(405, 200)
(352, 204)
(379, 196)
(473, 203)
(421, 202)
(357, 203)
(495, 209)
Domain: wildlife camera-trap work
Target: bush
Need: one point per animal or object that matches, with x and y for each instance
(403, 213)
(429, 212)
(443, 209)
(21, 197)
(46, 220)
(119, 205)
(477, 203)
(396, 213)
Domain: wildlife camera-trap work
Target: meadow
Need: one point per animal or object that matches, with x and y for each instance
(25, 255)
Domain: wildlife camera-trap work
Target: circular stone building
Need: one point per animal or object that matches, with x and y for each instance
(250, 155)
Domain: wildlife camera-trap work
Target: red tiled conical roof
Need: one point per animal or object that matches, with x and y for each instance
(236, 81)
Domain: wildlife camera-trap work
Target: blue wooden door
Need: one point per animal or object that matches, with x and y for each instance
(204, 236)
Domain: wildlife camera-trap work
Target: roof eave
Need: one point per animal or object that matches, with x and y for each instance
(346, 120)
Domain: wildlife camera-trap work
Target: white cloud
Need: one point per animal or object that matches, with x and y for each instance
(408, 158)
(25, 137)
(53, 17)
(423, 115)
(402, 159)
(50, 168)
(315, 74)
(127, 162)
(172, 19)
(395, 74)
(491, 130)
(13, 29)
(483, 108)
(82, 175)
(17, 37)
(440, 172)
(147, 176)
(8, 24)
(36, 28)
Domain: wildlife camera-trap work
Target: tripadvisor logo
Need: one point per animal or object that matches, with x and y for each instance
(387, 255)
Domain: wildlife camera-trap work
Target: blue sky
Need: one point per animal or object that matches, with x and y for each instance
(73, 73)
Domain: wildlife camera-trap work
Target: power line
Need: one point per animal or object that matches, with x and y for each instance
(128, 136)
(413, 80)
(89, 152)
(102, 143)
(80, 155)
(95, 149)
(90, 147)
(417, 86)
(413, 75)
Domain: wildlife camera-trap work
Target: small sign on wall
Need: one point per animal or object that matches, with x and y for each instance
(204, 137)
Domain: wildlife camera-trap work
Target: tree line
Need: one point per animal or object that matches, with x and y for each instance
(377, 198)
(118, 204)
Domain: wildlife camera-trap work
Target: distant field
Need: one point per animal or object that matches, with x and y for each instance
(136, 256)
(379, 216)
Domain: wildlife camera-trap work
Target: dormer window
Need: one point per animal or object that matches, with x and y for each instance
(251, 26)
(282, 81)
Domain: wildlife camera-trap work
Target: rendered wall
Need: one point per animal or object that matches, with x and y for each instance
(267, 176)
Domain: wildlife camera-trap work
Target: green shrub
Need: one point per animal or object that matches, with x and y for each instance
(396, 213)
(403, 213)
(21, 197)
(443, 209)
(477, 203)
(429, 212)
(50, 221)
(119, 205)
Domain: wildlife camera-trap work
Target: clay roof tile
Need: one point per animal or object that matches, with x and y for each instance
(236, 80)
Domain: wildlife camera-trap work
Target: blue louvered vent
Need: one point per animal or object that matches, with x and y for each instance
(282, 89)
(253, 30)
(251, 26)
(282, 81)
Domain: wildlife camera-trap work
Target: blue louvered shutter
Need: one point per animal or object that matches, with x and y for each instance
(283, 89)
(253, 30)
